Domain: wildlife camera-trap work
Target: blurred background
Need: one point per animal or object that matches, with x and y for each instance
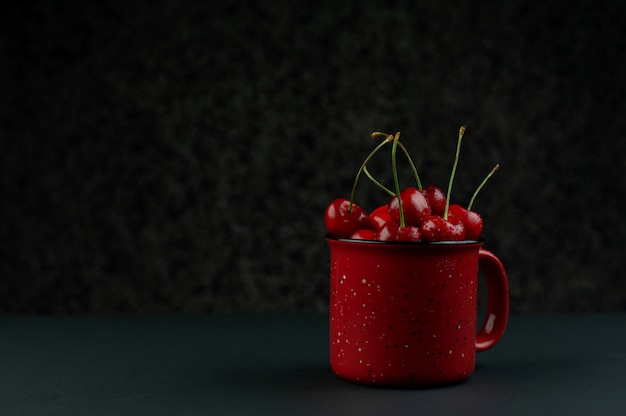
(163, 157)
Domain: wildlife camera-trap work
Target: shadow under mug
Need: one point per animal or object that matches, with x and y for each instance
(405, 314)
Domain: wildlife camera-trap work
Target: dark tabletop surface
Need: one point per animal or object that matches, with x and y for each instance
(278, 364)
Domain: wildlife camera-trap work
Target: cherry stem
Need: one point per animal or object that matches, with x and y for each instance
(482, 184)
(417, 176)
(456, 162)
(378, 184)
(394, 170)
(388, 138)
(381, 135)
(408, 156)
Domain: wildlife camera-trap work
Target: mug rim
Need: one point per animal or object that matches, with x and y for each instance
(406, 243)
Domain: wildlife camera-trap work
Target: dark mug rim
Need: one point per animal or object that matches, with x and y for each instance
(406, 243)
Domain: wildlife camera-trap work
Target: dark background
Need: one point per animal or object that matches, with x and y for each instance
(178, 156)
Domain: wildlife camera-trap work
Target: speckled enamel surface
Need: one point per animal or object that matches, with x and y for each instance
(403, 314)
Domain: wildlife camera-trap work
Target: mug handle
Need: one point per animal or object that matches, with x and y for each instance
(497, 301)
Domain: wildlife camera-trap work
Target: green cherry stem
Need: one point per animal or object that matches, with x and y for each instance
(378, 184)
(456, 162)
(482, 184)
(363, 165)
(417, 176)
(394, 170)
(378, 134)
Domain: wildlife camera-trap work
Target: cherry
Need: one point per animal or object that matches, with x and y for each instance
(364, 234)
(409, 233)
(436, 199)
(379, 217)
(344, 218)
(393, 232)
(413, 214)
(435, 228)
(409, 207)
(472, 221)
(414, 205)
(459, 232)
(389, 232)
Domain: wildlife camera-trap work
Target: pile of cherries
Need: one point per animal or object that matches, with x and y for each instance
(413, 214)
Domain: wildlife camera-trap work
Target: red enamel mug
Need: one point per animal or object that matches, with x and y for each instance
(405, 314)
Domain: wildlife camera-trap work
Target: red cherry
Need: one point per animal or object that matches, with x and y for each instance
(435, 228)
(473, 225)
(436, 199)
(379, 217)
(409, 233)
(389, 232)
(364, 234)
(341, 222)
(414, 205)
(472, 221)
(393, 232)
(458, 233)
